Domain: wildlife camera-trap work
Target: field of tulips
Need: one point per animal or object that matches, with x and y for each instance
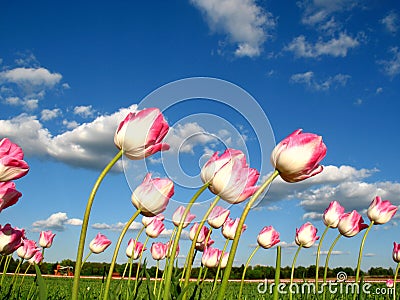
(228, 176)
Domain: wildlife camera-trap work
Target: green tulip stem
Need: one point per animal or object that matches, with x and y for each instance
(395, 280)
(328, 256)
(139, 264)
(86, 258)
(244, 270)
(114, 258)
(292, 273)
(318, 255)
(168, 276)
(277, 272)
(155, 278)
(219, 265)
(235, 243)
(85, 222)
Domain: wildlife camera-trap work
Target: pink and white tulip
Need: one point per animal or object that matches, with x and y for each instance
(229, 176)
(218, 217)
(178, 214)
(37, 258)
(389, 283)
(332, 214)
(27, 250)
(152, 195)
(224, 260)
(201, 246)
(396, 252)
(147, 220)
(99, 243)
(134, 249)
(140, 134)
(381, 211)
(229, 228)
(306, 235)
(158, 250)
(297, 157)
(210, 257)
(169, 246)
(10, 239)
(12, 165)
(351, 223)
(268, 237)
(8, 194)
(202, 235)
(155, 228)
(46, 239)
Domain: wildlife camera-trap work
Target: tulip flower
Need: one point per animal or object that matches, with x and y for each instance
(158, 250)
(99, 243)
(389, 283)
(351, 223)
(396, 252)
(380, 212)
(12, 165)
(169, 249)
(229, 176)
(229, 228)
(147, 220)
(36, 258)
(10, 239)
(152, 195)
(201, 246)
(297, 157)
(210, 257)
(155, 228)
(140, 134)
(218, 217)
(177, 216)
(268, 237)
(224, 260)
(134, 249)
(306, 235)
(46, 239)
(8, 194)
(332, 214)
(202, 235)
(27, 250)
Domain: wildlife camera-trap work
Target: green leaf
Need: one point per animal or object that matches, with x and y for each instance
(41, 284)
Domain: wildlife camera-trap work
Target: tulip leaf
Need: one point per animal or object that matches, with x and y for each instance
(41, 284)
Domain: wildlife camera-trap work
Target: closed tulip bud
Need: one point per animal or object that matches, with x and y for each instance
(351, 223)
(99, 243)
(332, 214)
(27, 250)
(229, 228)
(396, 252)
(155, 228)
(268, 237)
(381, 211)
(140, 134)
(134, 249)
(46, 239)
(229, 176)
(152, 195)
(389, 283)
(36, 258)
(147, 220)
(224, 260)
(202, 235)
(169, 249)
(12, 165)
(306, 235)
(8, 194)
(218, 217)
(297, 157)
(210, 257)
(158, 251)
(10, 239)
(178, 214)
(201, 246)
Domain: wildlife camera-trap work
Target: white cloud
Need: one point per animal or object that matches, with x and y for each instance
(379, 90)
(49, 114)
(65, 86)
(391, 67)
(358, 101)
(84, 111)
(369, 254)
(244, 22)
(117, 226)
(28, 77)
(70, 124)
(88, 145)
(309, 80)
(27, 104)
(56, 222)
(391, 22)
(334, 47)
(334, 252)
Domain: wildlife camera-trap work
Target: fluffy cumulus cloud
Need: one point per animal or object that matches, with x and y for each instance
(49, 114)
(391, 22)
(345, 184)
(84, 111)
(117, 226)
(87, 145)
(245, 23)
(31, 77)
(311, 82)
(56, 222)
(391, 66)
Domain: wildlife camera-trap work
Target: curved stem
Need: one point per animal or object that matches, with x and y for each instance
(328, 256)
(244, 271)
(277, 272)
(189, 258)
(292, 273)
(168, 276)
(86, 258)
(395, 280)
(318, 255)
(155, 279)
(139, 264)
(85, 222)
(227, 271)
(219, 265)
(117, 246)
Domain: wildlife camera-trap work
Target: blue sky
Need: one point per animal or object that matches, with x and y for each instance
(70, 73)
